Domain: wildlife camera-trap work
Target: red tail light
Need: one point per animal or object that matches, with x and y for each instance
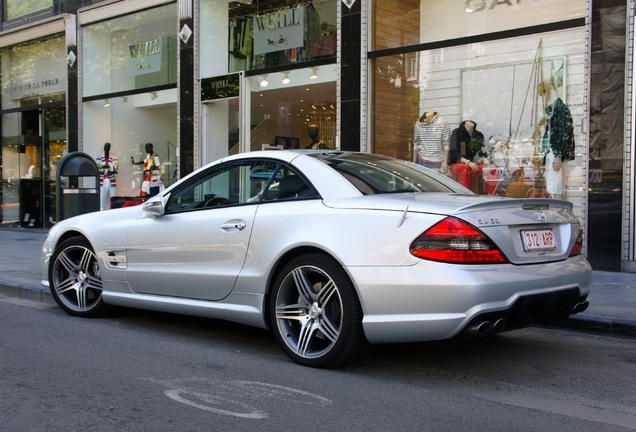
(578, 244)
(454, 241)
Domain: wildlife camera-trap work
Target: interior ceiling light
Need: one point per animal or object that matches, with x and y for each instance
(314, 73)
(285, 79)
(264, 81)
(106, 103)
(124, 99)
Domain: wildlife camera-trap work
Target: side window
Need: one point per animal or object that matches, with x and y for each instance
(232, 184)
(288, 185)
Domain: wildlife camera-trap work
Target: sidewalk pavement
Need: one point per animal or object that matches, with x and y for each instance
(612, 295)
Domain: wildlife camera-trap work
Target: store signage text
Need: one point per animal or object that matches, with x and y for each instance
(480, 5)
(33, 88)
(145, 57)
(220, 87)
(279, 30)
(278, 20)
(144, 49)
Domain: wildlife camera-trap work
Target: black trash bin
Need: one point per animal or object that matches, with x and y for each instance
(78, 185)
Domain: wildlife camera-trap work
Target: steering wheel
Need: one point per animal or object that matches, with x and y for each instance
(216, 201)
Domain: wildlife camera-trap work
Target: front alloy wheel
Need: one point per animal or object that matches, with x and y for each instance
(316, 314)
(75, 279)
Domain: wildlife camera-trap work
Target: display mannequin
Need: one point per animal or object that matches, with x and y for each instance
(152, 165)
(431, 141)
(314, 133)
(108, 165)
(466, 152)
(30, 172)
(558, 147)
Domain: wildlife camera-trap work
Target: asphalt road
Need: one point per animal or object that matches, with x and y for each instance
(146, 371)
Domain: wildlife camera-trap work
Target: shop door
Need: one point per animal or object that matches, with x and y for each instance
(43, 143)
(33, 142)
(222, 119)
(222, 123)
(29, 164)
(54, 145)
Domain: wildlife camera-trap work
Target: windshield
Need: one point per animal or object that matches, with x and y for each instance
(374, 174)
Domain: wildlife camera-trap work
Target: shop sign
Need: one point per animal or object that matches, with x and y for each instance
(35, 88)
(220, 87)
(145, 57)
(487, 16)
(34, 70)
(481, 5)
(279, 30)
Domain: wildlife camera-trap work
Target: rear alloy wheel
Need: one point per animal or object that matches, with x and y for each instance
(75, 279)
(316, 314)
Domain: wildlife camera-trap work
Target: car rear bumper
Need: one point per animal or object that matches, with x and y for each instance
(433, 301)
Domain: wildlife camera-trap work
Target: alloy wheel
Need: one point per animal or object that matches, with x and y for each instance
(309, 311)
(75, 279)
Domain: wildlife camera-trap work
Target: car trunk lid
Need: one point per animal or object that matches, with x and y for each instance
(526, 230)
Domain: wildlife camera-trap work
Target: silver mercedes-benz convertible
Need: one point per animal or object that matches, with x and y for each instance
(330, 250)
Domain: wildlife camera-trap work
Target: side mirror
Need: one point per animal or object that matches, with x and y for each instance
(155, 206)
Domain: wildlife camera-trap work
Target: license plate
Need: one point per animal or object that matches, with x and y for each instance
(537, 240)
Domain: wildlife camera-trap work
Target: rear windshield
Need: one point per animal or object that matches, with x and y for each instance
(374, 174)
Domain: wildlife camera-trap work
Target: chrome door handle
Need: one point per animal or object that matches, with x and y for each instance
(239, 225)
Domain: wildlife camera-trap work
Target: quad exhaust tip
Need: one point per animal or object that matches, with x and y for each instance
(485, 327)
(500, 324)
(580, 307)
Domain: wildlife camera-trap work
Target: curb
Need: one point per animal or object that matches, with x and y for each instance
(41, 295)
(596, 324)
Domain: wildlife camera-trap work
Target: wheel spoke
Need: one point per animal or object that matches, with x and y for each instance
(66, 285)
(294, 312)
(85, 262)
(328, 329)
(93, 282)
(303, 286)
(326, 293)
(68, 263)
(81, 296)
(305, 337)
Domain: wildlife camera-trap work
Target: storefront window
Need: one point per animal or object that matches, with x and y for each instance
(131, 127)
(20, 8)
(294, 109)
(509, 112)
(141, 132)
(270, 33)
(243, 36)
(501, 115)
(130, 53)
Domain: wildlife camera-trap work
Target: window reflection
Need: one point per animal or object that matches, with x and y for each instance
(267, 33)
(498, 117)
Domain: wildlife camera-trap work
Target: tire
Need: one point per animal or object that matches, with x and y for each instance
(316, 314)
(75, 279)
